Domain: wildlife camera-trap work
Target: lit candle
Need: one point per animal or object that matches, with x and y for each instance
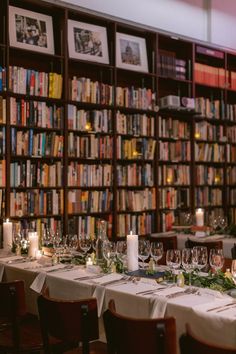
(199, 217)
(132, 252)
(33, 244)
(7, 235)
(89, 262)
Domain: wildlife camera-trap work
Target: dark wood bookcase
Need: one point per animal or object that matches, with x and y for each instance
(138, 167)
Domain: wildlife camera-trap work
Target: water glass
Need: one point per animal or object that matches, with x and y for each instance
(199, 257)
(187, 261)
(156, 251)
(233, 270)
(121, 252)
(143, 251)
(173, 260)
(216, 259)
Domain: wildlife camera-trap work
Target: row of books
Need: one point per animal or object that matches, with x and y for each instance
(141, 224)
(94, 120)
(135, 175)
(231, 175)
(3, 78)
(139, 98)
(232, 216)
(88, 225)
(167, 220)
(36, 114)
(206, 196)
(135, 124)
(80, 201)
(209, 175)
(2, 202)
(99, 175)
(137, 200)
(206, 131)
(172, 198)
(231, 134)
(231, 112)
(36, 203)
(83, 89)
(174, 174)
(40, 225)
(30, 143)
(173, 128)
(170, 66)
(210, 75)
(2, 173)
(91, 146)
(35, 83)
(174, 151)
(2, 141)
(209, 152)
(2, 110)
(35, 174)
(231, 153)
(135, 148)
(232, 196)
(210, 108)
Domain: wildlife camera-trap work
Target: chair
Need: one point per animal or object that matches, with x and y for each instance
(190, 344)
(169, 242)
(19, 331)
(127, 335)
(70, 323)
(233, 251)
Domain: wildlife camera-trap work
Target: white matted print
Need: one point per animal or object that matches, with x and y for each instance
(30, 30)
(88, 42)
(131, 52)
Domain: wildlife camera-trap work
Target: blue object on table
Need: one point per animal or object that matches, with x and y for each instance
(144, 274)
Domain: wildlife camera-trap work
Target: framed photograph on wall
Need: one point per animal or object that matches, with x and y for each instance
(30, 30)
(131, 52)
(87, 42)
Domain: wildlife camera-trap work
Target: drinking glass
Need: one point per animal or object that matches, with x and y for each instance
(214, 223)
(216, 259)
(156, 251)
(187, 261)
(199, 257)
(222, 221)
(143, 251)
(173, 260)
(233, 270)
(121, 252)
(84, 243)
(109, 252)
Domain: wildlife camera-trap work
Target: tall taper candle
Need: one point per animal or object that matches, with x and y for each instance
(132, 252)
(7, 235)
(199, 217)
(33, 244)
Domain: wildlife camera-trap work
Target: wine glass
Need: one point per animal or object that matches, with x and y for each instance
(214, 223)
(216, 258)
(84, 243)
(156, 251)
(222, 222)
(109, 251)
(143, 251)
(199, 257)
(121, 252)
(233, 270)
(173, 260)
(187, 261)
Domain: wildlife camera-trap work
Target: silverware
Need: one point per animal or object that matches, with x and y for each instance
(227, 307)
(88, 277)
(147, 292)
(220, 307)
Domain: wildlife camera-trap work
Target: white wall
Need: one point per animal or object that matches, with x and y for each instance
(206, 20)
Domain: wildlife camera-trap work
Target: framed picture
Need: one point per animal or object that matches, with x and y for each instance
(88, 42)
(131, 52)
(30, 30)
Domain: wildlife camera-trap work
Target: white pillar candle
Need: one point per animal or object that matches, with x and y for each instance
(33, 244)
(7, 235)
(199, 217)
(132, 252)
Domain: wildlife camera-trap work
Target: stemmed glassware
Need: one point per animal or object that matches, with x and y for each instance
(216, 259)
(199, 257)
(156, 251)
(222, 222)
(84, 243)
(109, 252)
(187, 261)
(121, 252)
(173, 259)
(143, 251)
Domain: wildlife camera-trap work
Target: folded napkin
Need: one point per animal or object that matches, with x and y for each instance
(11, 259)
(1, 271)
(207, 238)
(99, 294)
(107, 278)
(38, 282)
(157, 306)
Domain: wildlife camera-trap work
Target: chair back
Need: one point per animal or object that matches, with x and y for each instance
(68, 321)
(127, 335)
(233, 251)
(12, 300)
(190, 343)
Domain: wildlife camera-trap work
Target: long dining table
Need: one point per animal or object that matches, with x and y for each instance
(211, 314)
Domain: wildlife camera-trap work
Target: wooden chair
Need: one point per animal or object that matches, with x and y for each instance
(71, 323)
(19, 331)
(191, 344)
(127, 335)
(169, 242)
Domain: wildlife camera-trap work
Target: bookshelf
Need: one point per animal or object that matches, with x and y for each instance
(82, 140)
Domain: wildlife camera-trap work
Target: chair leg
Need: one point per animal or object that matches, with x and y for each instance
(85, 347)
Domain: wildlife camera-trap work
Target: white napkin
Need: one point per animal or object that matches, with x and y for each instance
(157, 306)
(38, 282)
(108, 278)
(1, 271)
(99, 294)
